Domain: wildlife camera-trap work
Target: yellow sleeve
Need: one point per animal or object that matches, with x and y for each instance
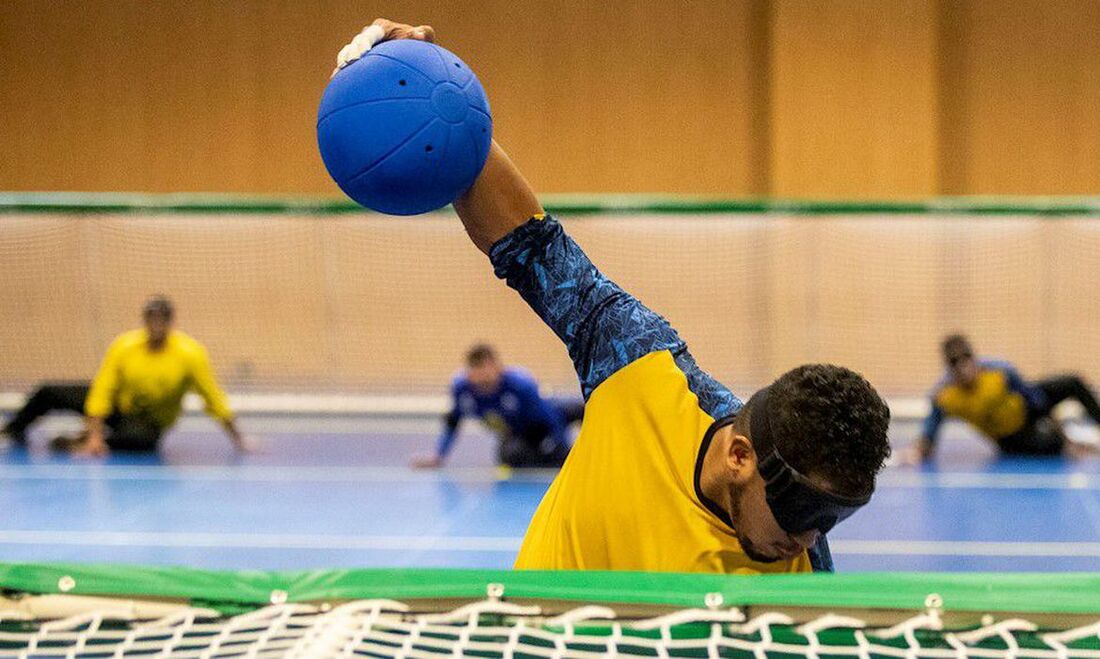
(204, 383)
(101, 398)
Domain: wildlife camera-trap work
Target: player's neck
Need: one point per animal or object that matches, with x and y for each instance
(712, 477)
(156, 345)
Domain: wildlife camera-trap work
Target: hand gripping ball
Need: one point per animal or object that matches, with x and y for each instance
(405, 129)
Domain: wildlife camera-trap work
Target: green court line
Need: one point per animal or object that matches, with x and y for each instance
(570, 204)
(1076, 593)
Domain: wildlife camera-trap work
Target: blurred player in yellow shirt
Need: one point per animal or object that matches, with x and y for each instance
(1011, 412)
(137, 393)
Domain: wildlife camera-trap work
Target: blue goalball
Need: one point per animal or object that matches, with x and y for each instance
(405, 129)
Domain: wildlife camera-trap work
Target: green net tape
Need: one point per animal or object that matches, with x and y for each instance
(712, 615)
(572, 204)
(979, 592)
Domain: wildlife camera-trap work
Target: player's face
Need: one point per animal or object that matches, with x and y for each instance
(964, 368)
(158, 327)
(485, 377)
(760, 535)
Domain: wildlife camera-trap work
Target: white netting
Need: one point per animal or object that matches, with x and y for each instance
(377, 305)
(492, 628)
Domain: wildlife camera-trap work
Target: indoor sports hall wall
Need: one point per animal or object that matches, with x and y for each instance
(790, 98)
(371, 305)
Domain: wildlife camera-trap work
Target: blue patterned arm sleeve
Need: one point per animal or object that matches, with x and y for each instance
(603, 327)
(821, 558)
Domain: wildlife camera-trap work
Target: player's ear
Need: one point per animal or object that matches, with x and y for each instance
(741, 459)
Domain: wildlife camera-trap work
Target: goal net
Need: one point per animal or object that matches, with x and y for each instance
(184, 613)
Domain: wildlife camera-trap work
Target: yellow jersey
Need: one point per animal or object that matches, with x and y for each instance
(136, 381)
(627, 497)
(996, 404)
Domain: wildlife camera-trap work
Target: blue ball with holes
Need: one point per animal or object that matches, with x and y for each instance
(405, 129)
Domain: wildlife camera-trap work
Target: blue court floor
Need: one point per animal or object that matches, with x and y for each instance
(336, 492)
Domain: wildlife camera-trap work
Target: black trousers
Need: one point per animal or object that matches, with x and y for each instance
(1043, 435)
(124, 433)
(534, 447)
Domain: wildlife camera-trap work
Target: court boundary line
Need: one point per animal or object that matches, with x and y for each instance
(76, 471)
(503, 544)
(426, 406)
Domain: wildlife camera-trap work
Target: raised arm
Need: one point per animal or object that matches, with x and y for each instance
(500, 200)
(603, 327)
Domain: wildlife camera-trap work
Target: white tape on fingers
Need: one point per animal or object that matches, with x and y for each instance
(373, 35)
(362, 43)
(343, 56)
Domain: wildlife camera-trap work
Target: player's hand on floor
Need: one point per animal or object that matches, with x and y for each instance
(378, 31)
(92, 448)
(1077, 450)
(427, 462)
(250, 445)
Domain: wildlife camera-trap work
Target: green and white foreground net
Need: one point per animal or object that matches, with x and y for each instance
(184, 613)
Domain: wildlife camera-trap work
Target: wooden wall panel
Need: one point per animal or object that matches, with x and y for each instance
(797, 98)
(853, 98)
(210, 95)
(1021, 97)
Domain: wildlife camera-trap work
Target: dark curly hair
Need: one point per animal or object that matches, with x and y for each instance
(829, 423)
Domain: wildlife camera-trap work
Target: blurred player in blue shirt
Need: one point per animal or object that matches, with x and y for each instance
(533, 430)
(991, 396)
